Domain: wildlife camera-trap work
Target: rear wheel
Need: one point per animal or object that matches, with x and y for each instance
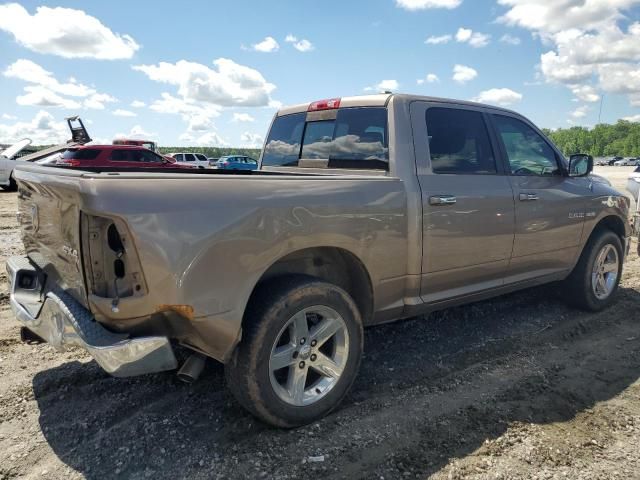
(300, 352)
(594, 282)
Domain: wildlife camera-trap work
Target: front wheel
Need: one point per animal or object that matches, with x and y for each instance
(300, 351)
(594, 282)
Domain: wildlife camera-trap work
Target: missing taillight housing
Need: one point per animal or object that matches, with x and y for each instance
(327, 104)
(112, 267)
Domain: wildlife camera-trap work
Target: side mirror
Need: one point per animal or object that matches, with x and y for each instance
(580, 165)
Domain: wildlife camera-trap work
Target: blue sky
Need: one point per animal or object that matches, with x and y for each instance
(213, 73)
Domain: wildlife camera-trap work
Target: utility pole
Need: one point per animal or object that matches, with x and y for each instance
(600, 113)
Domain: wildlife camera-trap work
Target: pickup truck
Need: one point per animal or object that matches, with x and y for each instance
(365, 210)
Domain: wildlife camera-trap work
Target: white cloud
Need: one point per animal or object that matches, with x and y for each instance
(242, 117)
(580, 112)
(39, 96)
(65, 32)
(124, 113)
(31, 72)
(6, 116)
(585, 93)
(42, 130)
(589, 48)
(208, 139)
(251, 140)
(228, 84)
(383, 86)
(138, 104)
(97, 101)
(388, 85)
(463, 35)
(463, 74)
(510, 39)
(430, 78)
(136, 132)
(268, 45)
(424, 4)
(499, 96)
(47, 91)
(633, 118)
(438, 40)
(475, 39)
(303, 45)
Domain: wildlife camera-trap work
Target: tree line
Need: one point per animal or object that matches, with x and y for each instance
(621, 139)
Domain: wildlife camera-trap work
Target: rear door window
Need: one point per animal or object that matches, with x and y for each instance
(120, 156)
(459, 142)
(82, 154)
(356, 138)
(188, 157)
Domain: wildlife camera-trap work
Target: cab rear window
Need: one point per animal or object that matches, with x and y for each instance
(81, 154)
(356, 138)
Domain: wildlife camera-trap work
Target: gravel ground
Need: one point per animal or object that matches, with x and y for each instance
(517, 387)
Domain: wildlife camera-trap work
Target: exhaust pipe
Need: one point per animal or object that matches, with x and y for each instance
(192, 368)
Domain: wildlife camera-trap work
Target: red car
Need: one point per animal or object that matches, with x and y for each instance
(114, 156)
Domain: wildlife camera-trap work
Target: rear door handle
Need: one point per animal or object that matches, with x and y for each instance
(528, 197)
(442, 200)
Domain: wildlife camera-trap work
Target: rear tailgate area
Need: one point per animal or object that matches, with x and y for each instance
(49, 218)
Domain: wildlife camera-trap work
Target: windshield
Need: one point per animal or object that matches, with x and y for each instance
(356, 138)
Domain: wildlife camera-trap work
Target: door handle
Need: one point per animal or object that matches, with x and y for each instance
(442, 200)
(528, 197)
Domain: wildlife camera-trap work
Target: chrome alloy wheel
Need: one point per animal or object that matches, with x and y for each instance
(605, 272)
(309, 355)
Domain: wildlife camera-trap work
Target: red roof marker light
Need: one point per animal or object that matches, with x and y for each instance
(328, 104)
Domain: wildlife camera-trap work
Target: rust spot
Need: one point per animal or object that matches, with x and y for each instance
(185, 311)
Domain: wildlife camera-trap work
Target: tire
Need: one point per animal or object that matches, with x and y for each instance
(13, 186)
(276, 315)
(580, 285)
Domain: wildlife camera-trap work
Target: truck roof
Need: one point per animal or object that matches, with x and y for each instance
(382, 99)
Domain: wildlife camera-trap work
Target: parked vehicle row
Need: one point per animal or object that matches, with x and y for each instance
(618, 161)
(364, 210)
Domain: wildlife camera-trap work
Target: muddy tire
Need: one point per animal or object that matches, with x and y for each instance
(593, 283)
(300, 351)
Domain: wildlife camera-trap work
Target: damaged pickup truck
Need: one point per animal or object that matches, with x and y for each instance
(365, 210)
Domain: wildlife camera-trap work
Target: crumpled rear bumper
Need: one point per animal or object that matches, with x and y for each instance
(59, 319)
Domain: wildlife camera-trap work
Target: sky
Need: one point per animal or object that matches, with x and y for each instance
(214, 73)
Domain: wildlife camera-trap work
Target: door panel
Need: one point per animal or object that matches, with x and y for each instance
(549, 206)
(467, 201)
(466, 245)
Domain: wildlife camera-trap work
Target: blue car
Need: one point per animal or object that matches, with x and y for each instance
(237, 162)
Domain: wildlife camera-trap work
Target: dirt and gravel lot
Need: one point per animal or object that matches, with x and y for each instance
(517, 387)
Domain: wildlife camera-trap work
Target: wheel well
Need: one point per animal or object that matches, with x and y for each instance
(330, 264)
(613, 223)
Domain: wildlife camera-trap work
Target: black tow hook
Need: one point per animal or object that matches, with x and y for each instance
(30, 338)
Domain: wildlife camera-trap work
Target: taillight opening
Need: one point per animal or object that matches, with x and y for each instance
(327, 104)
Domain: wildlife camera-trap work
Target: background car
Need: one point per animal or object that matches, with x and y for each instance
(613, 160)
(191, 159)
(114, 156)
(622, 162)
(237, 162)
